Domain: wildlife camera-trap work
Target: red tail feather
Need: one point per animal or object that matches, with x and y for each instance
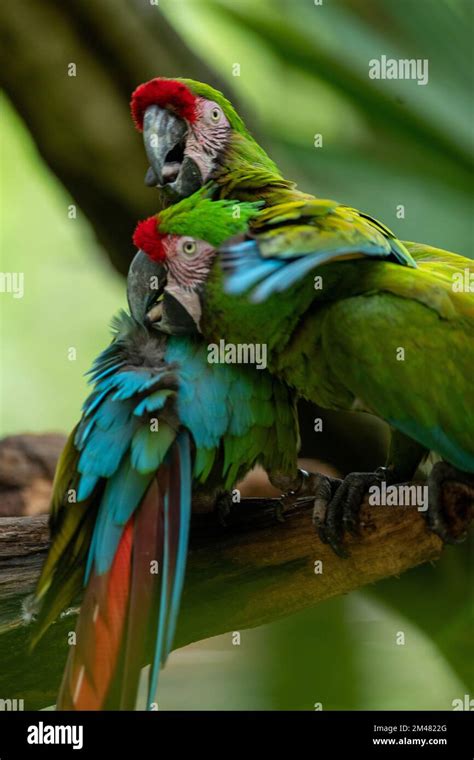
(144, 593)
(127, 613)
(93, 660)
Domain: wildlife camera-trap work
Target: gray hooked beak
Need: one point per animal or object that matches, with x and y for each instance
(154, 302)
(164, 137)
(146, 282)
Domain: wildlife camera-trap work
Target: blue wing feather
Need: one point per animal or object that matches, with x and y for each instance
(245, 266)
(170, 599)
(185, 519)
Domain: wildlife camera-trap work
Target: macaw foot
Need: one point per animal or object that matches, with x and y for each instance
(340, 513)
(310, 486)
(449, 509)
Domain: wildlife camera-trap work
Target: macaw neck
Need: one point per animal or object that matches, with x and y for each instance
(237, 320)
(247, 173)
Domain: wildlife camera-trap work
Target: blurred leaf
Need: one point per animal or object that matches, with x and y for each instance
(437, 209)
(439, 599)
(305, 50)
(313, 660)
(70, 292)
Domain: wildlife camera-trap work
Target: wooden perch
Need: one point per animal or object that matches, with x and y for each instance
(252, 572)
(27, 466)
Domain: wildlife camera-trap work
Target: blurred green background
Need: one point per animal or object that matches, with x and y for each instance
(303, 71)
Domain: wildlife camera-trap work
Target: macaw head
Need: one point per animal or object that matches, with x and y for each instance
(188, 128)
(177, 248)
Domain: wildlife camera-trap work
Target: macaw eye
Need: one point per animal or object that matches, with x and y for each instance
(215, 114)
(189, 247)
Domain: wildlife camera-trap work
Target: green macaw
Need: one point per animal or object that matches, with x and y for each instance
(341, 328)
(161, 423)
(192, 134)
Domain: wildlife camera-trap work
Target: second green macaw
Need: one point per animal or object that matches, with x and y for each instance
(344, 330)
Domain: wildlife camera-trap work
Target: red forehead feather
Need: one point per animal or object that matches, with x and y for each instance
(148, 239)
(167, 93)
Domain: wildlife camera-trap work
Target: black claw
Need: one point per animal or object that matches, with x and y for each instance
(322, 535)
(342, 514)
(332, 528)
(319, 514)
(340, 551)
(325, 491)
(333, 536)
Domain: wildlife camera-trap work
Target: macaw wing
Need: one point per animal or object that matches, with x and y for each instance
(410, 365)
(289, 240)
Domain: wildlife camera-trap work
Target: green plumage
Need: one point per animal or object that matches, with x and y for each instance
(393, 340)
(369, 335)
(214, 221)
(306, 226)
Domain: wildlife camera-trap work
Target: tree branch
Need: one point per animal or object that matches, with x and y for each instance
(252, 572)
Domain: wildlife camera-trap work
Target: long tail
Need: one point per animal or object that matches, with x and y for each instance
(129, 613)
(176, 535)
(92, 661)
